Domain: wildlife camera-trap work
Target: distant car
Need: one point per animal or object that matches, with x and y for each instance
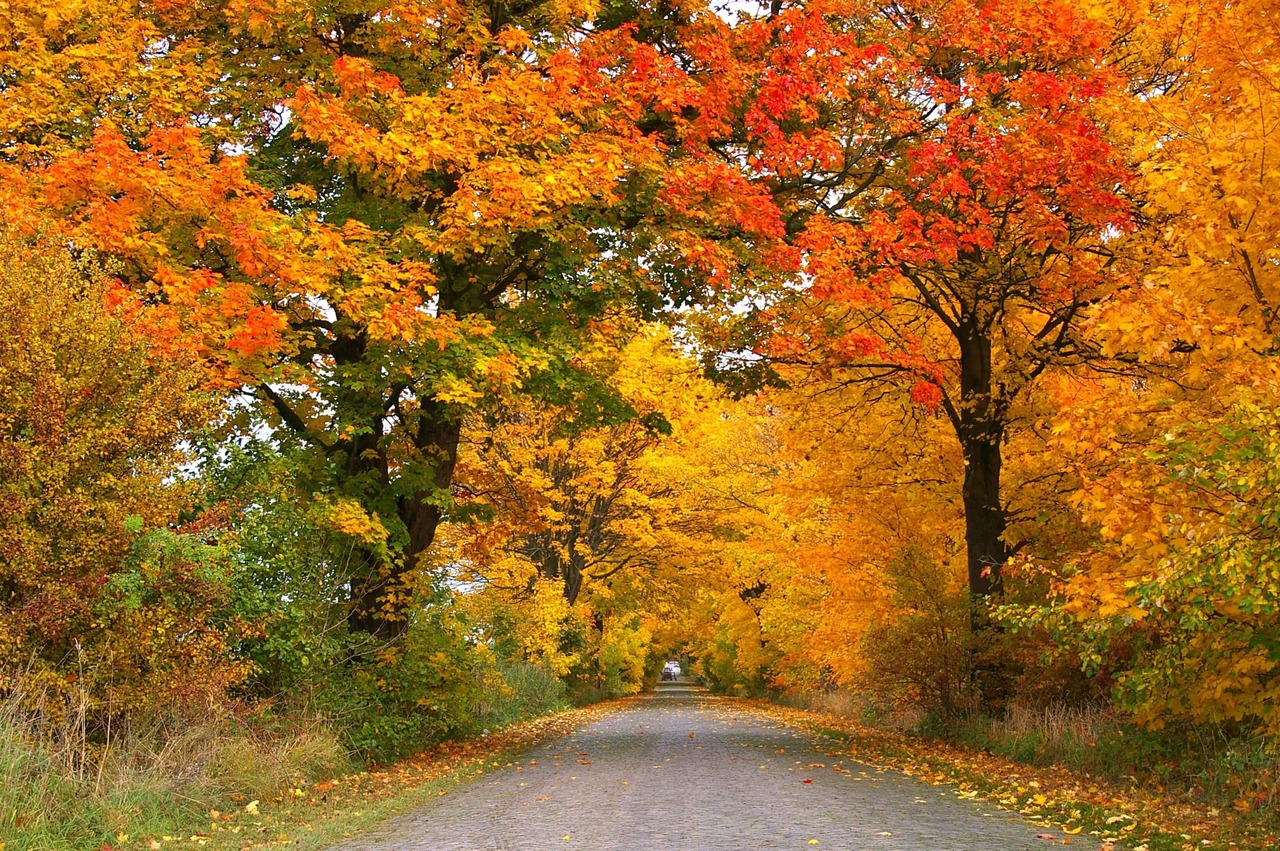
(671, 671)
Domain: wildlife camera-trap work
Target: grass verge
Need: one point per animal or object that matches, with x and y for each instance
(316, 815)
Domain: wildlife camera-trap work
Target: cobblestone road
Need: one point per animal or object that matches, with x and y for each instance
(684, 770)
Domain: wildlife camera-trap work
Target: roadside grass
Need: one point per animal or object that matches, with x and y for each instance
(224, 786)
(60, 793)
(1074, 807)
(313, 816)
(1238, 770)
(220, 788)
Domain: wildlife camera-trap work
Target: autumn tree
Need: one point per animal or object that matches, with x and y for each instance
(367, 218)
(949, 187)
(1170, 589)
(576, 525)
(605, 537)
(575, 496)
(851, 552)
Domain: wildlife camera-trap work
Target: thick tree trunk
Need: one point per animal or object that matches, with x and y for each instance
(572, 581)
(984, 518)
(439, 431)
(980, 428)
(981, 421)
(566, 571)
(370, 583)
(382, 596)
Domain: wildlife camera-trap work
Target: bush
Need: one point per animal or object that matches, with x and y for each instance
(386, 699)
(526, 691)
(1176, 600)
(106, 610)
(396, 701)
(922, 654)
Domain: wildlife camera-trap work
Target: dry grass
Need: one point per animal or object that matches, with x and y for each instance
(1057, 733)
(1238, 770)
(223, 756)
(64, 789)
(1208, 764)
(863, 708)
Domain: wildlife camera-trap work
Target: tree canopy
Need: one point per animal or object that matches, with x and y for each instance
(393, 352)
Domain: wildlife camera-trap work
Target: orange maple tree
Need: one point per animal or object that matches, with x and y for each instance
(369, 219)
(950, 193)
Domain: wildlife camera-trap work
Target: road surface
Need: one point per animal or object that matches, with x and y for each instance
(686, 770)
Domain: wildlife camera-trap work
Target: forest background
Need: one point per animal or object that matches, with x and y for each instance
(377, 373)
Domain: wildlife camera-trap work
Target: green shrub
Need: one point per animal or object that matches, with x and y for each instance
(527, 691)
(395, 702)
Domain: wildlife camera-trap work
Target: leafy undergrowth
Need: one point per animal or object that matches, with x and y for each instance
(316, 815)
(1073, 808)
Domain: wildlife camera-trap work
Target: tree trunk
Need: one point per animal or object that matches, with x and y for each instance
(980, 428)
(984, 519)
(371, 610)
(568, 572)
(573, 579)
(438, 434)
(383, 597)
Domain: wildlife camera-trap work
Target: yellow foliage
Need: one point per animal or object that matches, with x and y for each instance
(350, 518)
(105, 610)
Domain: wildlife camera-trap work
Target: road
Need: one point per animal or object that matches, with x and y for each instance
(686, 770)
